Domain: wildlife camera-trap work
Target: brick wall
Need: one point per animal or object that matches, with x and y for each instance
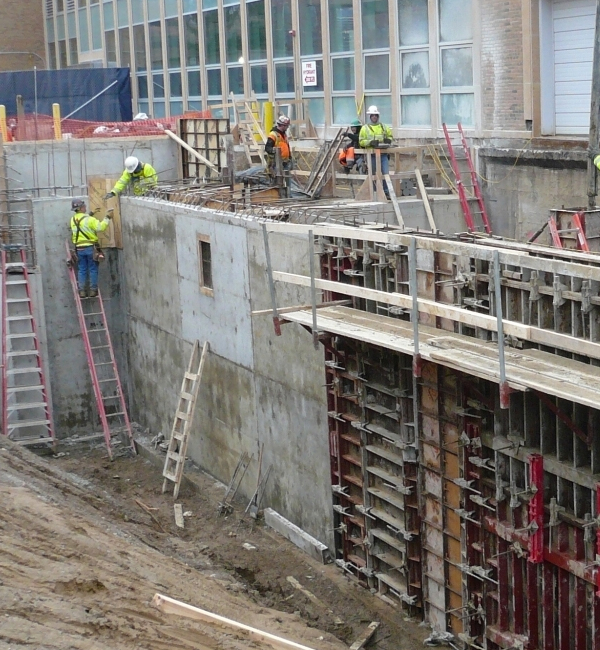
(502, 65)
(21, 30)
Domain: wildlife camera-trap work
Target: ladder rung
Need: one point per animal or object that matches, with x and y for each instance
(31, 405)
(99, 347)
(191, 375)
(170, 477)
(16, 282)
(14, 265)
(20, 336)
(114, 415)
(94, 313)
(104, 363)
(174, 455)
(23, 389)
(34, 441)
(187, 396)
(27, 423)
(22, 353)
(96, 329)
(22, 371)
(111, 397)
(15, 318)
(178, 436)
(104, 381)
(13, 300)
(181, 415)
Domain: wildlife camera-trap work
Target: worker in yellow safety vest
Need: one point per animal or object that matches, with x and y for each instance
(142, 177)
(278, 139)
(597, 159)
(375, 135)
(84, 235)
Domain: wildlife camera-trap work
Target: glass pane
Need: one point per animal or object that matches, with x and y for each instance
(257, 35)
(375, 24)
(137, 11)
(73, 56)
(175, 84)
(158, 85)
(342, 73)
(52, 62)
(416, 110)
(60, 28)
(235, 77)
(215, 112)
(84, 37)
(109, 17)
(50, 30)
(213, 78)
(124, 49)
(71, 25)
(143, 107)
(176, 108)
(172, 33)
(413, 22)
(259, 79)
(192, 44)
(62, 54)
(189, 6)
(209, 4)
(170, 8)
(60, 6)
(458, 108)
(284, 78)
(457, 67)
(96, 28)
(377, 72)
(139, 47)
(344, 110)
(281, 17)
(456, 23)
(193, 79)
(153, 7)
(415, 70)
(142, 82)
(341, 26)
(194, 105)
(111, 49)
(384, 104)
(310, 28)
(211, 37)
(122, 13)
(316, 110)
(158, 109)
(319, 86)
(156, 60)
(233, 34)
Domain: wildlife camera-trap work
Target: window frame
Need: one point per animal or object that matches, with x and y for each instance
(206, 289)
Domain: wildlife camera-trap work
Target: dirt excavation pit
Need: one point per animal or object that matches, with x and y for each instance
(86, 543)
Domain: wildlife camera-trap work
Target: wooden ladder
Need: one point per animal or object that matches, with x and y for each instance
(252, 136)
(26, 414)
(184, 415)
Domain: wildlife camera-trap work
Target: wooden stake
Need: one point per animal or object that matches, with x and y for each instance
(425, 200)
(178, 508)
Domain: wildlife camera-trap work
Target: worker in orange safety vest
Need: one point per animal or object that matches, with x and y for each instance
(278, 139)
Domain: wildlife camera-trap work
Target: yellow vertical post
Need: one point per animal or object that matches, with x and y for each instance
(57, 125)
(3, 128)
(268, 117)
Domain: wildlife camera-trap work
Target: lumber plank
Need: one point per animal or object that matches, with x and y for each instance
(171, 606)
(365, 637)
(425, 200)
(178, 510)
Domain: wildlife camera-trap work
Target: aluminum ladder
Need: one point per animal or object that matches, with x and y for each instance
(578, 229)
(110, 401)
(26, 412)
(460, 186)
(327, 154)
(182, 424)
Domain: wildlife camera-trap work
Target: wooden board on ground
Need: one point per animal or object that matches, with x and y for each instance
(178, 508)
(98, 187)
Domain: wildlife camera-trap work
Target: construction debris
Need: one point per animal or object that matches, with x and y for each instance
(179, 521)
(225, 506)
(365, 637)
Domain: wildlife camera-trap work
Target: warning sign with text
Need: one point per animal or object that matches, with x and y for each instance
(309, 73)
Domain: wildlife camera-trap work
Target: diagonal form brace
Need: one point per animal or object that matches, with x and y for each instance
(563, 417)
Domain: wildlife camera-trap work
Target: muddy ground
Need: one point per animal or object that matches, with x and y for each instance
(80, 562)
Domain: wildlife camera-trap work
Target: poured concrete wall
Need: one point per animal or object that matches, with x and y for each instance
(257, 388)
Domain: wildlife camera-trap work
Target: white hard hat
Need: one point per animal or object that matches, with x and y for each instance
(283, 120)
(131, 164)
(372, 110)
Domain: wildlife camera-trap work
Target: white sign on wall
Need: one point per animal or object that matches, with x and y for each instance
(309, 73)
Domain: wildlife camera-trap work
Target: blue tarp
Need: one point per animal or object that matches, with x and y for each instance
(71, 88)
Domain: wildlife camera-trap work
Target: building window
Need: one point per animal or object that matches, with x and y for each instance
(109, 16)
(281, 18)
(96, 27)
(284, 78)
(156, 60)
(172, 33)
(213, 79)
(257, 34)
(84, 36)
(212, 53)
(341, 26)
(170, 8)
(233, 34)
(377, 72)
(192, 44)
(158, 85)
(142, 81)
(153, 7)
(139, 47)
(342, 73)
(310, 28)
(235, 78)
(122, 13)
(344, 110)
(259, 79)
(124, 47)
(375, 24)
(193, 81)
(137, 11)
(111, 49)
(204, 265)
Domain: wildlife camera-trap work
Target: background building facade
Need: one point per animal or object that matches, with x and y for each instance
(21, 42)
(522, 66)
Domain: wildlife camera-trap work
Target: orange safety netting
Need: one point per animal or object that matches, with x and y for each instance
(42, 128)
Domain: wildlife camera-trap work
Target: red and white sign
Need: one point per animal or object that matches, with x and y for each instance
(309, 73)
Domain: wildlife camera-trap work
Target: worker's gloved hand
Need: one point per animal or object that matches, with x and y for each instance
(374, 143)
(109, 196)
(387, 141)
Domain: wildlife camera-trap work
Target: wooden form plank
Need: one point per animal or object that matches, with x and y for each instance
(425, 200)
(98, 187)
(365, 637)
(458, 314)
(171, 606)
(178, 511)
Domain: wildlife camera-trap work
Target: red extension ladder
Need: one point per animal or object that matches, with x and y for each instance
(110, 400)
(578, 229)
(26, 413)
(462, 194)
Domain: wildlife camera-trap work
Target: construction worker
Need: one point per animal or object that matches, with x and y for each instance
(142, 177)
(347, 158)
(84, 235)
(596, 157)
(278, 139)
(375, 135)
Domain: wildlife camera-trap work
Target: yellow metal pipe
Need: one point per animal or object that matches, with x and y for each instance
(3, 128)
(268, 117)
(57, 125)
